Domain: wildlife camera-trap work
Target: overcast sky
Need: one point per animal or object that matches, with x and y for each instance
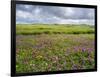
(53, 15)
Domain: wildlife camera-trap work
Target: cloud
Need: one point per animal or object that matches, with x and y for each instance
(82, 21)
(23, 14)
(53, 14)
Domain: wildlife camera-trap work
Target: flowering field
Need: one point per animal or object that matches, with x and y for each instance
(54, 49)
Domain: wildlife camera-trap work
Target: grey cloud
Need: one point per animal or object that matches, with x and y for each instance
(53, 14)
(61, 12)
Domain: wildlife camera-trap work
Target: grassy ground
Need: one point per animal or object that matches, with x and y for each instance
(53, 29)
(37, 49)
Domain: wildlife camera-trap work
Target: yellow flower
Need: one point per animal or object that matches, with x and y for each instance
(39, 57)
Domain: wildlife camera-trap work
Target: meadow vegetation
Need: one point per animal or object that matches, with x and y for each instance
(45, 47)
(26, 29)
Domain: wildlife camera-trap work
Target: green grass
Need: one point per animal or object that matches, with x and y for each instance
(53, 29)
(65, 47)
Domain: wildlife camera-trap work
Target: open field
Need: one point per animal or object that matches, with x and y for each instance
(42, 48)
(53, 29)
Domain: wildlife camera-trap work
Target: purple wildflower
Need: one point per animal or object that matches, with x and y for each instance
(83, 49)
